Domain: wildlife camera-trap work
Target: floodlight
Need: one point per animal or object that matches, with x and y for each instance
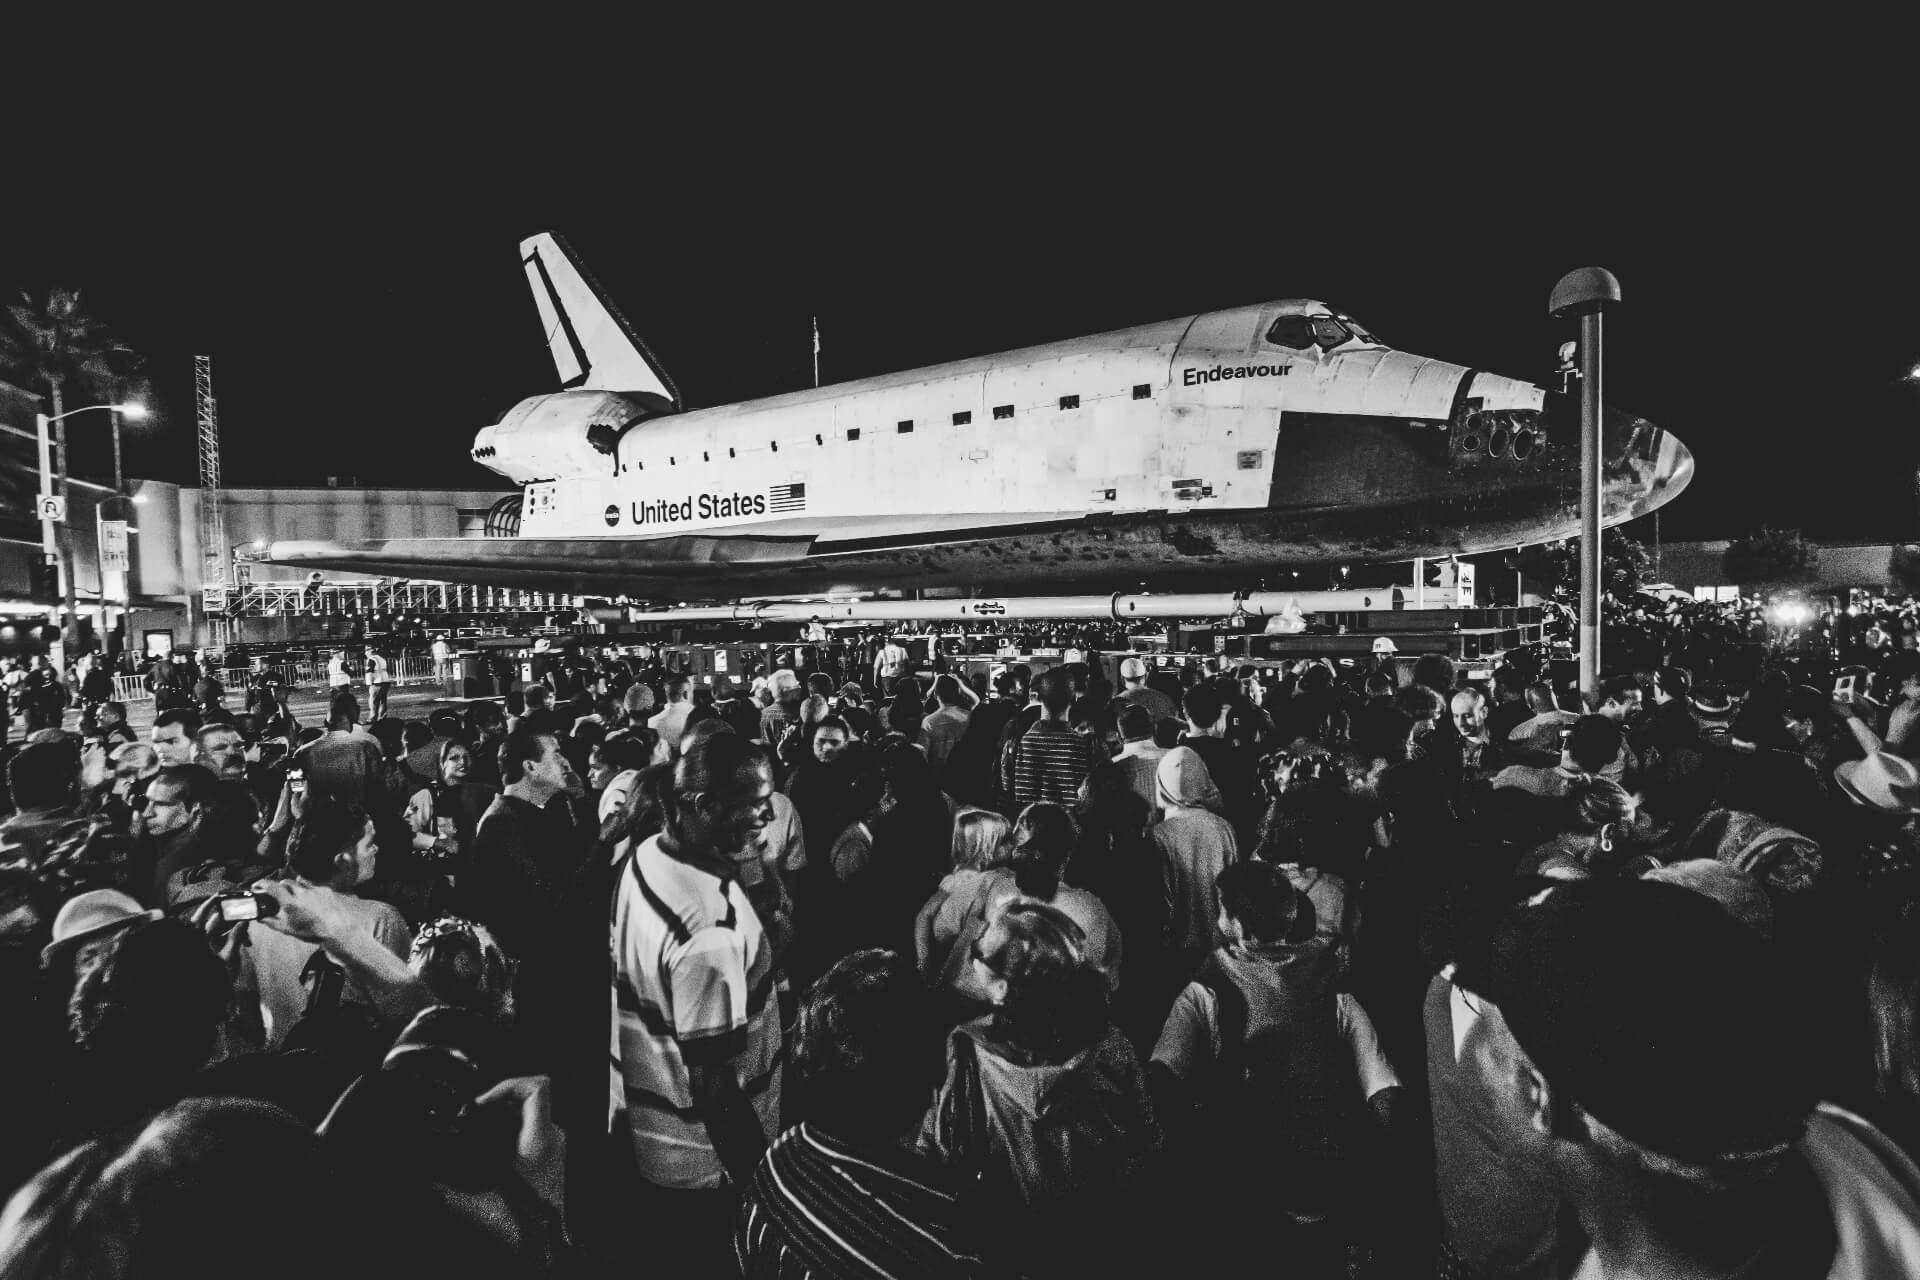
(132, 411)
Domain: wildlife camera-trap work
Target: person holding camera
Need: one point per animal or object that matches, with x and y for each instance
(332, 848)
(437, 812)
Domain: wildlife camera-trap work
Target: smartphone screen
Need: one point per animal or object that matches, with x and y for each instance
(242, 908)
(1844, 685)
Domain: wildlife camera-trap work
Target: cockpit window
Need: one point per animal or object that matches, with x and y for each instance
(1360, 331)
(1291, 331)
(1326, 330)
(1329, 333)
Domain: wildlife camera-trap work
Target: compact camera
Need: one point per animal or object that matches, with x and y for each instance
(238, 907)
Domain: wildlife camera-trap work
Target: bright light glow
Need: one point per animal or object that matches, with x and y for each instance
(1913, 374)
(132, 411)
(1790, 613)
(259, 544)
(1853, 611)
(139, 499)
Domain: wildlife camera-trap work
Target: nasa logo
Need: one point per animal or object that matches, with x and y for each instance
(613, 514)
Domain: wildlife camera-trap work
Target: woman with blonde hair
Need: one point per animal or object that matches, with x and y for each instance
(982, 842)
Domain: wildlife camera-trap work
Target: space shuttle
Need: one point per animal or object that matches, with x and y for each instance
(1206, 452)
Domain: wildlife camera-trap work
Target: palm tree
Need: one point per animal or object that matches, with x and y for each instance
(53, 346)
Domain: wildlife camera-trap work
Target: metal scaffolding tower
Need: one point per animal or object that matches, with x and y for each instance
(213, 520)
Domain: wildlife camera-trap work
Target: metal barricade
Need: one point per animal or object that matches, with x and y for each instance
(413, 670)
(289, 675)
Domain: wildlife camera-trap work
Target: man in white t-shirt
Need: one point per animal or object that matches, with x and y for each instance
(442, 659)
(889, 664)
(671, 722)
(1290, 1125)
(337, 677)
(379, 682)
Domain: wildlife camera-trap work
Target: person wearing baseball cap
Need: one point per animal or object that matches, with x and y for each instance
(1631, 1050)
(1134, 692)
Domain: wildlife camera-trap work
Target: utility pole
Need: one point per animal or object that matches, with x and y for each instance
(214, 551)
(49, 529)
(1584, 293)
(70, 626)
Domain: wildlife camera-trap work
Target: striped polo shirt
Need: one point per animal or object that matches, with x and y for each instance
(1050, 763)
(821, 1208)
(692, 977)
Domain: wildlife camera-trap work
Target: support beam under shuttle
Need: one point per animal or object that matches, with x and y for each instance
(1119, 607)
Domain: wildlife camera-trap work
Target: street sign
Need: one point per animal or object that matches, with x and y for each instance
(51, 506)
(113, 545)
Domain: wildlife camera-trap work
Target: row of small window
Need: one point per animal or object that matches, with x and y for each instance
(1141, 391)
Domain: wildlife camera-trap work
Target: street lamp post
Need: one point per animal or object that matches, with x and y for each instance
(1584, 293)
(52, 485)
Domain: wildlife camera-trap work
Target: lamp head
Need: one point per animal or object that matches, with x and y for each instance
(132, 411)
(1587, 289)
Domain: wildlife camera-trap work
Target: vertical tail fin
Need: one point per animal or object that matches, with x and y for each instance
(593, 346)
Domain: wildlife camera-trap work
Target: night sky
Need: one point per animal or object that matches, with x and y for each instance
(343, 243)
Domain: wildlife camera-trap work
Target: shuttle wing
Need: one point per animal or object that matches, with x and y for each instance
(782, 556)
(595, 566)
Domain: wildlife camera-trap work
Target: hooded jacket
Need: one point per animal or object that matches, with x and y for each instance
(1046, 1135)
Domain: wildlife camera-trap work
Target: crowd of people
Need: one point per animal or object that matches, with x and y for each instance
(1323, 970)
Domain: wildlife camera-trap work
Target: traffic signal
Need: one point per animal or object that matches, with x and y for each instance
(44, 580)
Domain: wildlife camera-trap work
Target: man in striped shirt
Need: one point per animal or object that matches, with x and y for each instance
(1051, 760)
(696, 1048)
(843, 1195)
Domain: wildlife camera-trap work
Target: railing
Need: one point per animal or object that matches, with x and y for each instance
(131, 689)
(375, 595)
(290, 675)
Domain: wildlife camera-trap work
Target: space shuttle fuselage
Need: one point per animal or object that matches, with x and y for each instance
(1187, 453)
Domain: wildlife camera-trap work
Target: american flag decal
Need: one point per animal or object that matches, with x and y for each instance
(787, 497)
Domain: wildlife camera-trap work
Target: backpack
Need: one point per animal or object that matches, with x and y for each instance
(1087, 1143)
